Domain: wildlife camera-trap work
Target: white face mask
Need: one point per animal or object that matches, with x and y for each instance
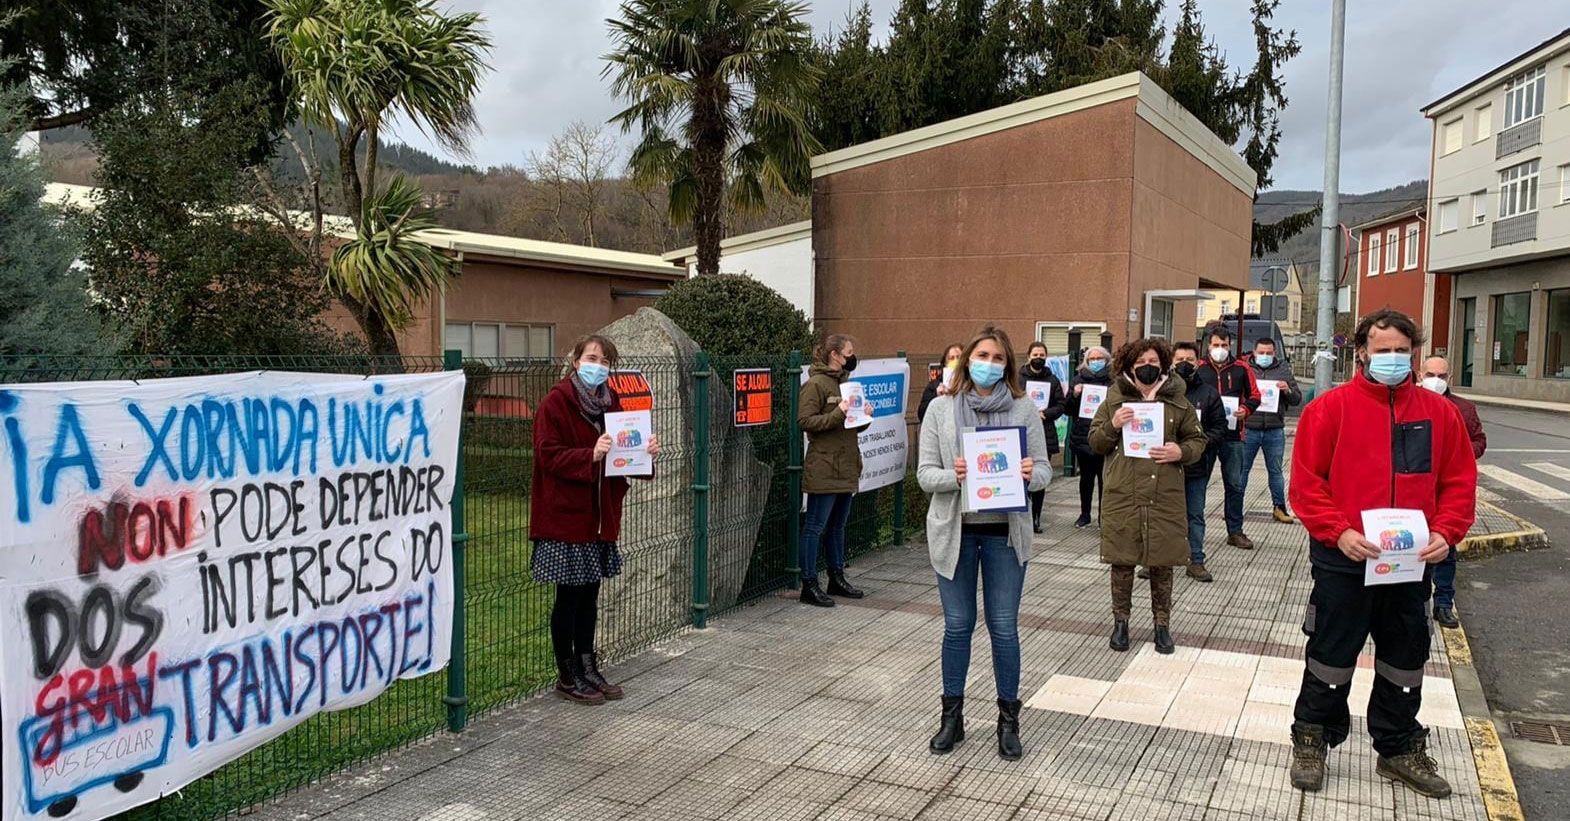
(1219, 355)
(1437, 384)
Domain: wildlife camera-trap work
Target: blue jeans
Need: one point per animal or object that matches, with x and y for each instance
(1194, 489)
(1445, 581)
(1232, 480)
(1003, 579)
(827, 514)
(1274, 443)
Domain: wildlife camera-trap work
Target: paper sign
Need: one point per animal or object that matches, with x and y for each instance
(934, 371)
(1040, 394)
(856, 413)
(1090, 398)
(1231, 403)
(754, 392)
(632, 388)
(993, 481)
(1269, 397)
(630, 432)
(1399, 534)
(1146, 430)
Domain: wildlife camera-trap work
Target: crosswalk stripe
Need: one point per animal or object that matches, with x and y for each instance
(1529, 450)
(1530, 487)
(1556, 471)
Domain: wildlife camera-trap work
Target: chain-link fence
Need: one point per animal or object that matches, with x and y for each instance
(736, 518)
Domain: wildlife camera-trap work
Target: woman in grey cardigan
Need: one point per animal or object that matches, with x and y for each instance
(986, 393)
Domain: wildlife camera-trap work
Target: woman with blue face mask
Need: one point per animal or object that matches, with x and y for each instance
(1093, 371)
(575, 513)
(989, 547)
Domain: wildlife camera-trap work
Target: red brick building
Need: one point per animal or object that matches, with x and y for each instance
(1392, 272)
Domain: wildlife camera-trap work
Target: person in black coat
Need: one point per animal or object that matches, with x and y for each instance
(1213, 418)
(1035, 370)
(1094, 371)
(937, 387)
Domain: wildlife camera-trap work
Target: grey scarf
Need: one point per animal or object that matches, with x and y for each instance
(972, 410)
(593, 402)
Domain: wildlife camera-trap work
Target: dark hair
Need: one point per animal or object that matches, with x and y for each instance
(833, 343)
(1387, 319)
(1219, 330)
(1185, 346)
(1038, 344)
(607, 347)
(962, 380)
(1132, 351)
(1265, 340)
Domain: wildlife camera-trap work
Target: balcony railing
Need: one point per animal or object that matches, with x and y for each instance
(1515, 229)
(1519, 138)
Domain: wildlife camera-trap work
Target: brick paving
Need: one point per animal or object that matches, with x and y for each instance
(780, 711)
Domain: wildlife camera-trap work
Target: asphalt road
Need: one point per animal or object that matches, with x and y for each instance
(1516, 607)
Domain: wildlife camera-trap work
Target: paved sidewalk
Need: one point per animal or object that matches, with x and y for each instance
(780, 711)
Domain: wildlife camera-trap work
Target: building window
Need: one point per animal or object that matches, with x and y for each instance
(1556, 350)
(1485, 122)
(1411, 246)
(1392, 249)
(1449, 211)
(1512, 318)
(1450, 137)
(1373, 253)
(494, 340)
(1252, 307)
(1161, 318)
(1479, 207)
(1564, 183)
(1524, 96)
(1518, 190)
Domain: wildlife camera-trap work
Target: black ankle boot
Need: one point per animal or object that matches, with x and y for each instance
(840, 586)
(1119, 640)
(572, 685)
(1164, 643)
(812, 594)
(952, 730)
(1009, 746)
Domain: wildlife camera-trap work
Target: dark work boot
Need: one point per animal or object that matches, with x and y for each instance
(1083, 520)
(840, 586)
(591, 672)
(952, 730)
(1446, 616)
(812, 594)
(1416, 769)
(1119, 641)
(1035, 524)
(1308, 756)
(1164, 644)
(572, 685)
(1009, 746)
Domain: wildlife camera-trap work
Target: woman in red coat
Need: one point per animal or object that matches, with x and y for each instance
(575, 513)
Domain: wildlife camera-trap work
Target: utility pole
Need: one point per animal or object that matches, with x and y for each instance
(1329, 231)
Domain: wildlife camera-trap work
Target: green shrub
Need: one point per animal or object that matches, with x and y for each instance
(732, 314)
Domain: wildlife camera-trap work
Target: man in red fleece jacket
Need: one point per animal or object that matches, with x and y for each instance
(1379, 441)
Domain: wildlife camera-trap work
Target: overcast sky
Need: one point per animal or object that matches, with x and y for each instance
(1401, 55)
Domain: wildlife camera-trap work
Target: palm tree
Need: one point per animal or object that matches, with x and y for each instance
(722, 91)
(354, 65)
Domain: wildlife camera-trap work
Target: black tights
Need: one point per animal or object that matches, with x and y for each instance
(1089, 466)
(572, 619)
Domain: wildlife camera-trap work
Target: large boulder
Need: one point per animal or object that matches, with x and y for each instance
(654, 591)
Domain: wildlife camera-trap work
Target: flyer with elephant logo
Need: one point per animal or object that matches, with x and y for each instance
(994, 481)
(1399, 534)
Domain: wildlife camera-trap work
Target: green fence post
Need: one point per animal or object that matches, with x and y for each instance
(457, 698)
(793, 469)
(700, 491)
(899, 487)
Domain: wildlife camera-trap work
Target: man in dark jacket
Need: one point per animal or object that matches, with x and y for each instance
(1378, 441)
(1266, 430)
(1436, 377)
(1231, 379)
(1213, 418)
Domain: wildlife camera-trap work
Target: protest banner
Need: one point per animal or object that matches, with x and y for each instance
(190, 567)
(885, 441)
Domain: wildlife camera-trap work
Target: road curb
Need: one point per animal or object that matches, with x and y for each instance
(1526, 536)
(1500, 799)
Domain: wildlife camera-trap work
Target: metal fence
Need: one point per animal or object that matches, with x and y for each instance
(725, 500)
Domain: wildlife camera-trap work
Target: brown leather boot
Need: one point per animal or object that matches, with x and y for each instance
(591, 672)
(573, 686)
(1416, 769)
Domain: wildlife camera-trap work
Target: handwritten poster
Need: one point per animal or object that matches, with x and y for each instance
(1090, 398)
(630, 432)
(1399, 534)
(189, 567)
(1146, 430)
(885, 441)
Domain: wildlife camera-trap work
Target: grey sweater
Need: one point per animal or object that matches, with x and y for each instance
(935, 472)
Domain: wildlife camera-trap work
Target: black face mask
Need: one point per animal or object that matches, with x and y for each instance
(1185, 370)
(850, 363)
(1038, 363)
(1147, 374)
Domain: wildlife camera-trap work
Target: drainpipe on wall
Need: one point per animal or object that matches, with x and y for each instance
(439, 335)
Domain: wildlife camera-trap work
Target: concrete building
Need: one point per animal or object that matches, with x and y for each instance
(1392, 271)
(780, 258)
(1101, 208)
(1256, 300)
(1499, 197)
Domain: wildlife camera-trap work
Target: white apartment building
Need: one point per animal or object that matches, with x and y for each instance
(1499, 220)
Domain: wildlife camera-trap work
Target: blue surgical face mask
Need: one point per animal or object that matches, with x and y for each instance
(1390, 368)
(1264, 360)
(1096, 365)
(985, 374)
(593, 374)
